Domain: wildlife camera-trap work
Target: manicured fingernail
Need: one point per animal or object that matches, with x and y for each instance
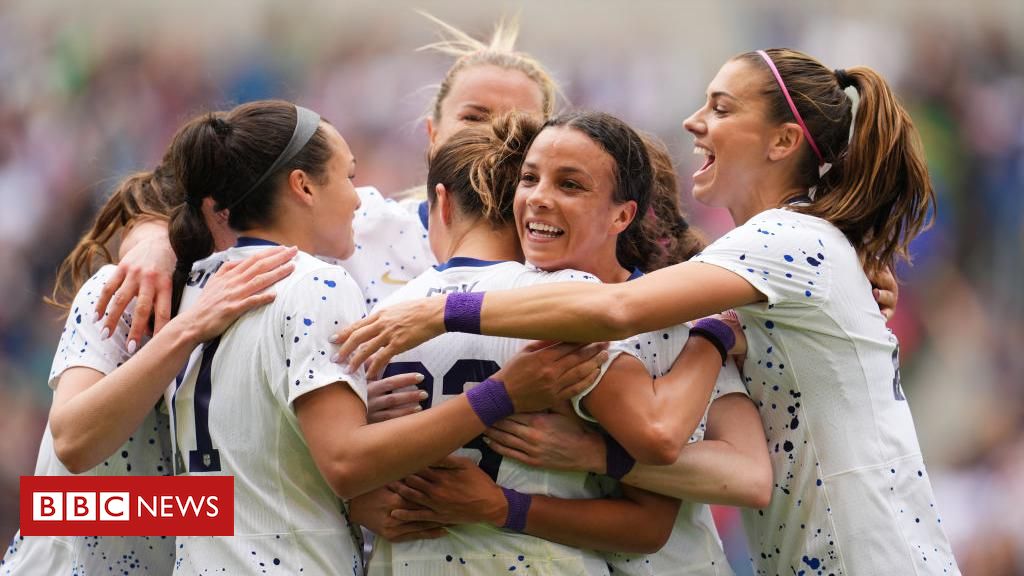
(335, 357)
(486, 440)
(132, 346)
(95, 317)
(422, 395)
(105, 333)
(419, 378)
(333, 339)
(417, 409)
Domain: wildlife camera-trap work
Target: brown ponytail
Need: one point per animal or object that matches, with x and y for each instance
(223, 155)
(479, 167)
(877, 190)
(139, 196)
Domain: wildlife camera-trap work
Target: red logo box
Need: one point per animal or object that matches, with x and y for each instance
(127, 505)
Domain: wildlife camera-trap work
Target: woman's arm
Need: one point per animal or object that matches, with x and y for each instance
(355, 457)
(567, 312)
(93, 414)
(730, 466)
(653, 418)
(459, 492)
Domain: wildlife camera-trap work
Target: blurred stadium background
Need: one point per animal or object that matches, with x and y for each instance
(93, 90)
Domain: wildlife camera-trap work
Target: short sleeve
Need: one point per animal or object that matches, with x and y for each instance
(315, 307)
(779, 253)
(614, 351)
(80, 342)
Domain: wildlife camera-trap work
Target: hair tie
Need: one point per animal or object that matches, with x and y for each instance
(792, 106)
(844, 79)
(220, 126)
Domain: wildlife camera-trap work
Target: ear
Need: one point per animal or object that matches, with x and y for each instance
(444, 205)
(301, 187)
(431, 132)
(785, 141)
(624, 215)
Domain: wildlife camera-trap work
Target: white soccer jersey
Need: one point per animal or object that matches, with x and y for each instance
(451, 363)
(233, 415)
(391, 246)
(852, 495)
(146, 453)
(694, 547)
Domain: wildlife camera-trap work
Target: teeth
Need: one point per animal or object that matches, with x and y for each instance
(700, 150)
(544, 228)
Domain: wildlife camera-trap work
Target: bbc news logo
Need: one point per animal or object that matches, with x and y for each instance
(127, 505)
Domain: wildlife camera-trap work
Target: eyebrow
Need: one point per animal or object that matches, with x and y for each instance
(720, 94)
(478, 107)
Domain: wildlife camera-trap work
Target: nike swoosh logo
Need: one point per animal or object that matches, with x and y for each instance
(387, 279)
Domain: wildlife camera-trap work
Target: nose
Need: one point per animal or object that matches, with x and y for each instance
(695, 123)
(539, 196)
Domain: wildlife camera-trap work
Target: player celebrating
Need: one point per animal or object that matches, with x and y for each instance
(103, 421)
(851, 493)
(263, 402)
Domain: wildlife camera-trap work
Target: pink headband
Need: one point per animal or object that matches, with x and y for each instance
(792, 106)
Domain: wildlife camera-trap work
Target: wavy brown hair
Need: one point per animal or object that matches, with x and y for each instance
(153, 194)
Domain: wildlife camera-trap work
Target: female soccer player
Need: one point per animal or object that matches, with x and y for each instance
(587, 204)
(472, 230)
(103, 421)
(263, 402)
(851, 493)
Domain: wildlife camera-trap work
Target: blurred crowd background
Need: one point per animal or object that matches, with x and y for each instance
(91, 91)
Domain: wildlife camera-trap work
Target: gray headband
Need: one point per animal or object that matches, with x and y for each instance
(306, 123)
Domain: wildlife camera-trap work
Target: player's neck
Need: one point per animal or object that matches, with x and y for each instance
(485, 243)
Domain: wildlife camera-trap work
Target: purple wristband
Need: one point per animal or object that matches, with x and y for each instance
(717, 332)
(490, 401)
(518, 507)
(618, 461)
(462, 312)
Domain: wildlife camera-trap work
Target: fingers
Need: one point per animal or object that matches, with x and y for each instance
(162, 304)
(350, 337)
(262, 261)
(394, 383)
(452, 463)
(254, 301)
(502, 438)
(353, 336)
(581, 355)
(507, 452)
(118, 304)
(266, 279)
(886, 302)
(538, 345)
(410, 494)
(379, 360)
(578, 388)
(512, 426)
(385, 406)
(111, 286)
(140, 316)
(424, 515)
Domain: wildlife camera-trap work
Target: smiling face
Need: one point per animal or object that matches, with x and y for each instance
(564, 208)
(733, 135)
(337, 201)
(480, 92)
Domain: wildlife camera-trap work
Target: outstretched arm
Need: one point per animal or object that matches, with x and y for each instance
(567, 312)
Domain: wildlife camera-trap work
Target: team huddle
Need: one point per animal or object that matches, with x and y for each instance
(539, 368)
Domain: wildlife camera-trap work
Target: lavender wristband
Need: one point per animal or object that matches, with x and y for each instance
(518, 507)
(490, 401)
(717, 332)
(618, 461)
(462, 312)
